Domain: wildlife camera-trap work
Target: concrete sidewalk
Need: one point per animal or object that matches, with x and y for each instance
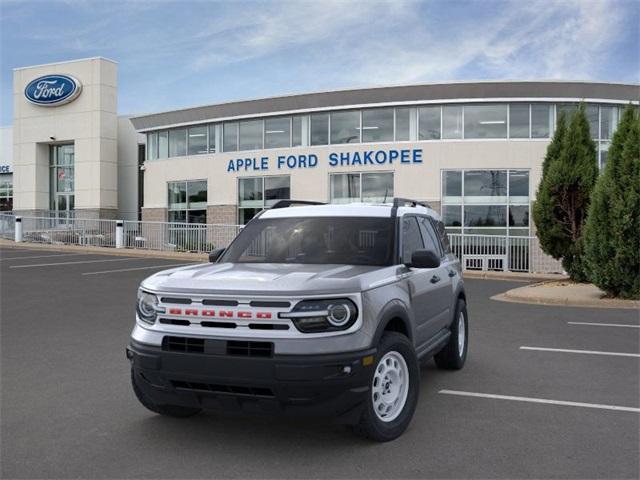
(567, 293)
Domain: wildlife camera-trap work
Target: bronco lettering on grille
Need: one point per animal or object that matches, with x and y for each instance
(209, 313)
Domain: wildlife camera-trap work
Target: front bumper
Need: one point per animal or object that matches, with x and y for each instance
(313, 385)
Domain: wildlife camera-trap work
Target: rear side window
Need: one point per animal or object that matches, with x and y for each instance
(411, 238)
(430, 237)
(444, 238)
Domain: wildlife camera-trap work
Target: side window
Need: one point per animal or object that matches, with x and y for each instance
(411, 238)
(444, 238)
(430, 239)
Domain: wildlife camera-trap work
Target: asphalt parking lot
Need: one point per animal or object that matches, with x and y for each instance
(68, 410)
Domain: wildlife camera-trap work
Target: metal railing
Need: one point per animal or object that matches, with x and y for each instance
(7, 226)
(69, 231)
(476, 252)
(183, 237)
(501, 253)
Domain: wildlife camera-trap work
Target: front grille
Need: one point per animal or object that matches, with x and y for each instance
(183, 344)
(229, 389)
(249, 349)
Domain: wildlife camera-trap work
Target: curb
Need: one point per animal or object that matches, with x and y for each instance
(124, 252)
(515, 296)
(514, 276)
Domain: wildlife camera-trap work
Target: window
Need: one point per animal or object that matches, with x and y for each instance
(230, 137)
(152, 146)
(296, 131)
(429, 123)
(541, 120)
(6, 192)
(345, 127)
(212, 138)
(411, 238)
(320, 129)
(519, 186)
(163, 144)
(377, 125)
(592, 116)
(197, 140)
(345, 188)
(277, 132)
(178, 142)
(519, 120)
(485, 216)
(403, 124)
(251, 135)
(61, 179)
(487, 202)
(452, 121)
(452, 186)
(482, 186)
(256, 193)
(429, 236)
(373, 187)
(485, 121)
(187, 201)
(608, 122)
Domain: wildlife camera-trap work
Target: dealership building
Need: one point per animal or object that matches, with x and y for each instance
(473, 150)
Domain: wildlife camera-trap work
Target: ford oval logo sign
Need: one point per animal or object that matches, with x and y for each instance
(53, 90)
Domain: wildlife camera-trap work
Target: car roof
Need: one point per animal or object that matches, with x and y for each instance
(347, 210)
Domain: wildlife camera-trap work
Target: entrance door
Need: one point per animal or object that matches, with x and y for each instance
(62, 181)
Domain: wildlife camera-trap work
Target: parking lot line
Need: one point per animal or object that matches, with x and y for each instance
(621, 325)
(41, 256)
(541, 400)
(588, 352)
(139, 268)
(74, 263)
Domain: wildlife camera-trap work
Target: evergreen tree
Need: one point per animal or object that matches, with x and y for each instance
(564, 194)
(612, 233)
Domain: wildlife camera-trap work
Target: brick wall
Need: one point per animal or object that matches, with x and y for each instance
(154, 214)
(222, 214)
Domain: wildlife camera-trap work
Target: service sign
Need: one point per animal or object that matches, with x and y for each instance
(53, 90)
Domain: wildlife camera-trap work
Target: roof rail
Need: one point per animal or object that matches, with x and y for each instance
(404, 202)
(291, 203)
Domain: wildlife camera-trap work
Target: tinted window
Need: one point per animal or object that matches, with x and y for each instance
(230, 137)
(317, 240)
(277, 132)
(519, 120)
(429, 123)
(377, 125)
(411, 238)
(444, 238)
(320, 129)
(429, 236)
(251, 135)
(345, 127)
(452, 121)
(403, 122)
(485, 121)
(178, 142)
(197, 140)
(541, 116)
(377, 187)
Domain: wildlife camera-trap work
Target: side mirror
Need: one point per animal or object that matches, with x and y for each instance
(424, 259)
(215, 254)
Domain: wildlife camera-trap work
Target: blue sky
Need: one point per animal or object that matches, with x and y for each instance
(179, 54)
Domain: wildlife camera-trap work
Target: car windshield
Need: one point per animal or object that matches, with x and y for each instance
(314, 240)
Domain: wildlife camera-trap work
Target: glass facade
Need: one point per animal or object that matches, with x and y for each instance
(61, 179)
(487, 202)
(6, 192)
(384, 124)
(373, 187)
(187, 201)
(257, 193)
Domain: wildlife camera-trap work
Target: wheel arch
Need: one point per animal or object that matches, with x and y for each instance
(394, 318)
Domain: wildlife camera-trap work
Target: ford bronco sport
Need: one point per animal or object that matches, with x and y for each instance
(312, 309)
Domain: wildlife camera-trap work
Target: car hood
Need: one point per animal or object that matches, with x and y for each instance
(266, 278)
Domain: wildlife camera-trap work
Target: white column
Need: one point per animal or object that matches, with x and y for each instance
(119, 234)
(18, 230)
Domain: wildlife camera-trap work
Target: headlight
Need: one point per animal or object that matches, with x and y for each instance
(312, 316)
(147, 307)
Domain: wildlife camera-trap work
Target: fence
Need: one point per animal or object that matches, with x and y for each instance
(501, 253)
(476, 252)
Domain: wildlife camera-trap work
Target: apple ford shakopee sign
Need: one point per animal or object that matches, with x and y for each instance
(53, 90)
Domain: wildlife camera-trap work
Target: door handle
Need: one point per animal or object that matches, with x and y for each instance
(435, 279)
(452, 273)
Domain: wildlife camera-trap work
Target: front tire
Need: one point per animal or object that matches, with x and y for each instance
(167, 410)
(395, 385)
(454, 353)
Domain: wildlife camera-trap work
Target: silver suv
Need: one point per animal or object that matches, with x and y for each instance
(313, 309)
